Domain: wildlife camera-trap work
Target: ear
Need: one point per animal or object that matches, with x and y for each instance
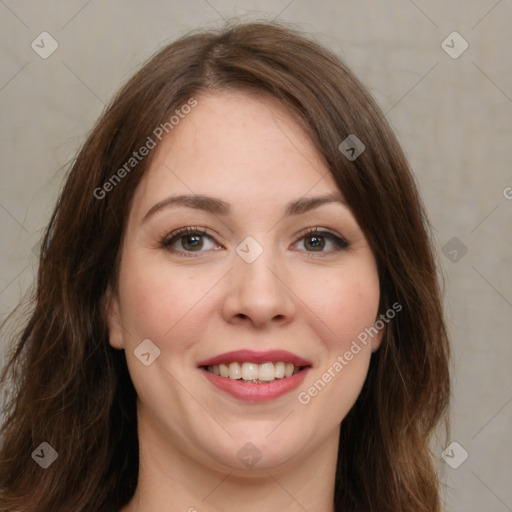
(381, 325)
(113, 318)
(377, 339)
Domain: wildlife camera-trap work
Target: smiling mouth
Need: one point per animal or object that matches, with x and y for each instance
(255, 373)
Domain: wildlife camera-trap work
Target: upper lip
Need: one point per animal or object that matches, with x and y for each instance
(251, 356)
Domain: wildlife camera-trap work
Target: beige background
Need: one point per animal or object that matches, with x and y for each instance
(453, 116)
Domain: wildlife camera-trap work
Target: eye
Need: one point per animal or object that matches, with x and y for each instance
(317, 239)
(188, 240)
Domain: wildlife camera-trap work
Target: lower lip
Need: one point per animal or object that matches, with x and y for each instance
(251, 392)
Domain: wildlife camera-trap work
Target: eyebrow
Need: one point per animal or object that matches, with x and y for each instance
(220, 207)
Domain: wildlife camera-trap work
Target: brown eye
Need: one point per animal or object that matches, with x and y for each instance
(188, 240)
(192, 242)
(317, 240)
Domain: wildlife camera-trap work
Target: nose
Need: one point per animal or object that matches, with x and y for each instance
(258, 293)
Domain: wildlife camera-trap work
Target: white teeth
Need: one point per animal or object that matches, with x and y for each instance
(249, 371)
(252, 372)
(279, 369)
(224, 370)
(235, 371)
(266, 372)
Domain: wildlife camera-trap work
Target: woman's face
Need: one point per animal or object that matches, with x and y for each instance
(246, 286)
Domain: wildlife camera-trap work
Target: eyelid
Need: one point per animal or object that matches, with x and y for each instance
(321, 230)
(166, 241)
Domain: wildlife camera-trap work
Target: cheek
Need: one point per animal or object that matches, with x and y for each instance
(158, 299)
(344, 302)
(343, 307)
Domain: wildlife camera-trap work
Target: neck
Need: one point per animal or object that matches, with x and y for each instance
(172, 480)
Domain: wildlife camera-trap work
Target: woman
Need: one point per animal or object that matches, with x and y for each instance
(237, 303)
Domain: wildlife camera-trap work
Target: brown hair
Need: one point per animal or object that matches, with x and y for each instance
(72, 390)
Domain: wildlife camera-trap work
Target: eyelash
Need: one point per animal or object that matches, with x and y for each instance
(321, 232)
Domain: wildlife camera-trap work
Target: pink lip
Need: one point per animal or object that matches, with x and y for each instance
(256, 392)
(250, 356)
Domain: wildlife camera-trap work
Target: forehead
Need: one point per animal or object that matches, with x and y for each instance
(236, 145)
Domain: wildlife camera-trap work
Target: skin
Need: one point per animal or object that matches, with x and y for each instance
(248, 151)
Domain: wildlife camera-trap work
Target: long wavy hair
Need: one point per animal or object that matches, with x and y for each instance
(73, 391)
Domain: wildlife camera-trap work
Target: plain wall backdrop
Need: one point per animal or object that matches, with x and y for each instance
(451, 108)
